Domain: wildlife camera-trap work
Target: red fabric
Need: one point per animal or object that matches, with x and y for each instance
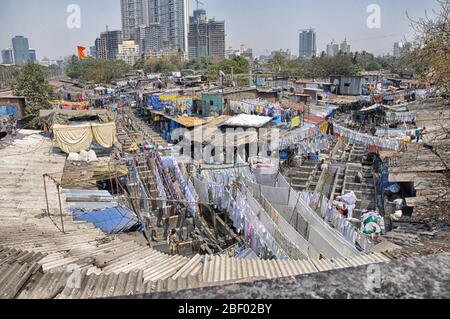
(313, 119)
(374, 149)
(81, 54)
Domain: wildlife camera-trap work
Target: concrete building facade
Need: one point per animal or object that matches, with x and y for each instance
(173, 15)
(107, 46)
(21, 50)
(307, 43)
(129, 52)
(8, 56)
(206, 37)
(132, 17)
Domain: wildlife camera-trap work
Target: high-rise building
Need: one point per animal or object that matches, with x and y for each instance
(345, 47)
(397, 49)
(129, 52)
(307, 43)
(101, 51)
(8, 56)
(173, 15)
(198, 34)
(332, 49)
(107, 46)
(93, 52)
(216, 38)
(32, 53)
(154, 38)
(132, 17)
(206, 38)
(21, 50)
(401, 48)
(151, 38)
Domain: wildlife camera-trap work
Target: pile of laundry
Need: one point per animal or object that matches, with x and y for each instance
(83, 156)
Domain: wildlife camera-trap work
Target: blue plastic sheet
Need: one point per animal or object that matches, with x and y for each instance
(157, 104)
(9, 110)
(111, 220)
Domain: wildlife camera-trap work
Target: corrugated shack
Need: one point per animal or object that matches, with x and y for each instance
(347, 85)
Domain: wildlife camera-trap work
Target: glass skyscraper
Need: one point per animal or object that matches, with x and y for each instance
(21, 50)
(307, 43)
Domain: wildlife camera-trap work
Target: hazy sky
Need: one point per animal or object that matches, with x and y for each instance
(259, 24)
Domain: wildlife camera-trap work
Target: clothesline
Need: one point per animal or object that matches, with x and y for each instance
(365, 139)
(401, 117)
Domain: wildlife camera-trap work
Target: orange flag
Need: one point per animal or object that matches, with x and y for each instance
(81, 54)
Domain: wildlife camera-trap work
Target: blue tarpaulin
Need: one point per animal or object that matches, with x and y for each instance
(111, 220)
(9, 110)
(157, 104)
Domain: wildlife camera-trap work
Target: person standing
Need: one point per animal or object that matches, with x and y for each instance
(173, 242)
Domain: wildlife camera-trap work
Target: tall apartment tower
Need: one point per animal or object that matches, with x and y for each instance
(345, 47)
(173, 16)
(8, 56)
(21, 50)
(307, 43)
(133, 16)
(332, 49)
(216, 38)
(198, 34)
(206, 37)
(33, 57)
(107, 46)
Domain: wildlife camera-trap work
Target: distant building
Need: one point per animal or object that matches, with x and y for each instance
(32, 53)
(216, 38)
(206, 37)
(101, 51)
(173, 15)
(154, 38)
(161, 54)
(129, 52)
(242, 51)
(307, 43)
(397, 49)
(107, 46)
(345, 47)
(21, 50)
(8, 56)
(93, 52)
(332, 49)
(132, 17)
(198, 34)
(401, 48)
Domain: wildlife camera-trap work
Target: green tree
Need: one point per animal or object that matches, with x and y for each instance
(97, 70)
(31, 84)
(430, 55)
(237, 65)
(200, 63)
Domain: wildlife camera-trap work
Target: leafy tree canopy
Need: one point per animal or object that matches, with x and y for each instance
(30, 82)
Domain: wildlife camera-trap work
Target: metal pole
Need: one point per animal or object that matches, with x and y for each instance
(46, 197)
(60, 209)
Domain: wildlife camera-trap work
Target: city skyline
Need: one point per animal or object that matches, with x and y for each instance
(54, 40)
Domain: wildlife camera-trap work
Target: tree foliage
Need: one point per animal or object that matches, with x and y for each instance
(96, 70)
(430, 56)
(237, 65)
(319, 67)
(30, 83)
(201, 63)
